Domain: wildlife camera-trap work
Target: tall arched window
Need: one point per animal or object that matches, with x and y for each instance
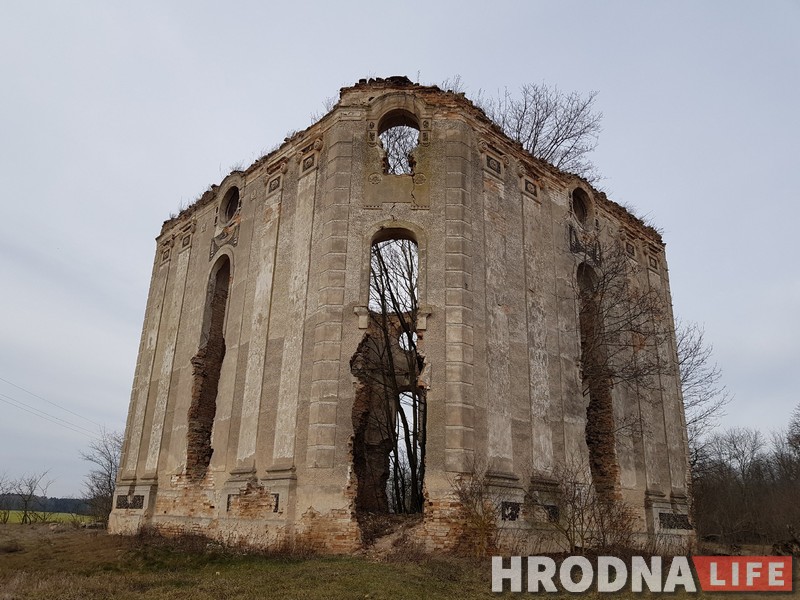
(206, 369)
(390, 413)
(394, 275)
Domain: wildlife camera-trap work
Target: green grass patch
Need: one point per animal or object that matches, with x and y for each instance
(15, 516)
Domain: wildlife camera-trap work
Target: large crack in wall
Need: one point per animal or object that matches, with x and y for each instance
(206, 369)
(597, 380)
(374, 413)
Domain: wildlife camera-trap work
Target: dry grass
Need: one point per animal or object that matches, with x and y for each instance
(86, 565)
(66, 563)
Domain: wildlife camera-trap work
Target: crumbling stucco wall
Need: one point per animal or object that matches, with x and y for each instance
(499, 315)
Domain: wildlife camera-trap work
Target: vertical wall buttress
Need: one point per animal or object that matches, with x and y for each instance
(144, 367)
(169, 327)
(459, 372)
(263, 259)
(335, 215)
(289, 391)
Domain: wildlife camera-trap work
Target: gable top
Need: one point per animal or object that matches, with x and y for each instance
(363, 93)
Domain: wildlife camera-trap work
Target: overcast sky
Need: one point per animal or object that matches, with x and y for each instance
(114, 115)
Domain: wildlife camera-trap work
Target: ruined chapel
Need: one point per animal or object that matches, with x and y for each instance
(343, 329)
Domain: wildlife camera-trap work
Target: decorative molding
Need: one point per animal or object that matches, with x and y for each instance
(362, 312)
(274, 184)
(372, 133)
(350, 114)
(308, 156)
(186, 235)
(425, 131)
(494, 162)
(278, 166)
(228, 237)
(528, 186)
(165, 248)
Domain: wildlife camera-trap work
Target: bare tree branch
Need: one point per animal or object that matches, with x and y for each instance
(390, 420)
(704, 398)
(104, 454)
(552, 125)
(29, 490)
(398, 143)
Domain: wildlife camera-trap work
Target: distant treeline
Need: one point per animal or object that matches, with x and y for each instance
(51, 505)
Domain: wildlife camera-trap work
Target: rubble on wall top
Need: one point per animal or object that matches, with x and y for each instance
(396, 80)
(436, 96)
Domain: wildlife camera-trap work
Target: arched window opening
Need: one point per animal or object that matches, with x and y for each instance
(399, 136)
(597, 383)
(394, 277)
(230, 204)
(390, 412)
(206, 369)
(580, 205)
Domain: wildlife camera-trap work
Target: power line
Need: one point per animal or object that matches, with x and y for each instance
(39, 411)
(19, 387)
(46, 417)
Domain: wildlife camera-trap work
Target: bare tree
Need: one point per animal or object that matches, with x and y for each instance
(704, 397)
(557, 127)
(580, 516)
(394, 306)
(30, 490)
(398, 142)
(793, 435)
(622, 323)
(730, 484)
(390, 410)
(480, 510)
(740, 449)
(623, 320)
(5, 492)
(327, 106)
(453, 84)
(104, 454)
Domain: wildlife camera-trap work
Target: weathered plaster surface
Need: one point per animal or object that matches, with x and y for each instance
(500, 331)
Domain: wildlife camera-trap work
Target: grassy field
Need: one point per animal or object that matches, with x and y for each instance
(15, 516)
(62, 562)
(67, 563)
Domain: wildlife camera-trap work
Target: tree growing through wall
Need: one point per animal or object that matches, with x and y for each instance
(391, 434)
(558, 127)
(398, 144)
(561, 128)
(622, 323)
(394, 307)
